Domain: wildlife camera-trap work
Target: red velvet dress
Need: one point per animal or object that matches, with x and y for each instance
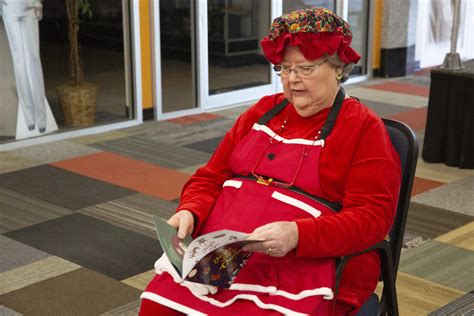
(358, 168)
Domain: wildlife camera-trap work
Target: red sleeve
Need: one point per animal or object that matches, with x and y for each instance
(201, 191)
(370, 186)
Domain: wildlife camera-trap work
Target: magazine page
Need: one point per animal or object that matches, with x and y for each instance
(170, 243)
(221, 266)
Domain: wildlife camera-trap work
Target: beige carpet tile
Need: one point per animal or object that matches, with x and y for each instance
(130, 309)
(18, 210)
(78, 292)
(148, 127)
(462, 237)
(440, 172)
(10, 162)
(191, 170)
(15, 254)
(56, 151)
(98, 138)
(456, 197)
(232, 113)
(417, 296)
(34, 272)
(134, 212)
(441, 263)
(411, 101)
(141, 280)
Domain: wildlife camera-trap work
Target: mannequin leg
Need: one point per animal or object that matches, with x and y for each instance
(30, 36)
(14, 35)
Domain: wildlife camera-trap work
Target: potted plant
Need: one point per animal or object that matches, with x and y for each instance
(77, 99)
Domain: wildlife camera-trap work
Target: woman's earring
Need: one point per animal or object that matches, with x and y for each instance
(338, 76)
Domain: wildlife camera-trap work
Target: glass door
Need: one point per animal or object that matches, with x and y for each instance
(177, 50)
(234, 69)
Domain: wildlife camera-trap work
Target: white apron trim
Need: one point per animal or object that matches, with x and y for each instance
(253, 298)
(301, 141)
(172, 304)
(200, 291)
(324, 291)
(296, 203)
(232, 183)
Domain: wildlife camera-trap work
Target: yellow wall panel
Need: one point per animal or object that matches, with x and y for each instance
(145, 42)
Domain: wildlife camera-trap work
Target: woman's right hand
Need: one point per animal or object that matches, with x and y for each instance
(183, 221)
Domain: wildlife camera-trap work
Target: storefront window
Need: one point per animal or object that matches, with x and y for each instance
(290, 5)
(35, 63)
(235, 28)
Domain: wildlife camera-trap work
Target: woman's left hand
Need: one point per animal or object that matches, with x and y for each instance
(279, 238)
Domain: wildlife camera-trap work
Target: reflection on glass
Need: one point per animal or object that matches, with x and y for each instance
(235, 28)
(177, 55)
(358, 17)
(101, 40)
(103, 37)
(292, 5)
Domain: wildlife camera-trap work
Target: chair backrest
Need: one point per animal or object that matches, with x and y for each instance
(405, 143)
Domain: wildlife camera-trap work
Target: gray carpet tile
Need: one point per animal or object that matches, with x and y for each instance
(207, 146)
(153, 151)
(457, 196)
(78, 292)
(180, 135)
(383, 109)
(411, 241)
(61, 187)
(441, 263)
(55, 151)
(134, 212)
(463, 306)
(130, 309)
(430, 222)
(15, 254)
(18, 210)
(108, 249)
(5, 311)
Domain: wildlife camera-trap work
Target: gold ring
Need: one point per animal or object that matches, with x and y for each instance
(269, 250)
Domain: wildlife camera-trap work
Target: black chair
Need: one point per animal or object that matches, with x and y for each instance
(405, 143)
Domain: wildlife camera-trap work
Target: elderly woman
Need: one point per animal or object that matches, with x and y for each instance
(280, 173)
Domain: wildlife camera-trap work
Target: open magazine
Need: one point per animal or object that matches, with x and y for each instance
(214, 258)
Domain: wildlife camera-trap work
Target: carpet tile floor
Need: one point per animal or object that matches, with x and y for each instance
(77, 236)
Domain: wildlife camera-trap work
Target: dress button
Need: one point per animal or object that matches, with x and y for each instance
(271, 156)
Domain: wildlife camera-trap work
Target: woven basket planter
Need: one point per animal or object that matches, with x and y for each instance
(78, 104)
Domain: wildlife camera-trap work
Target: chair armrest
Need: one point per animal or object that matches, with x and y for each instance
(389, 303)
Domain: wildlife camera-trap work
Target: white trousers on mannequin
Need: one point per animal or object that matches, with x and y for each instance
(23, 36)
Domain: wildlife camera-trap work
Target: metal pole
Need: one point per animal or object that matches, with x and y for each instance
(454, 34)
(452, 60)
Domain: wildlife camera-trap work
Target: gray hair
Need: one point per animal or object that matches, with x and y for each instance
(335, 61)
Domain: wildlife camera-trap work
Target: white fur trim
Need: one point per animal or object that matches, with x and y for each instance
(232, 183)
(272, 290)
(301, 141)
(164, 265)
(297, 203)
(172, 304)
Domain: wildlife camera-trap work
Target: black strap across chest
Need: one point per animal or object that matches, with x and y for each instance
(330, 121)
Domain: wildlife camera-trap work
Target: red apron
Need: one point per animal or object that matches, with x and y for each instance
(266, 285)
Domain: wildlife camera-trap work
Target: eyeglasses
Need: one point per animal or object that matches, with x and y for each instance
(301, 71)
